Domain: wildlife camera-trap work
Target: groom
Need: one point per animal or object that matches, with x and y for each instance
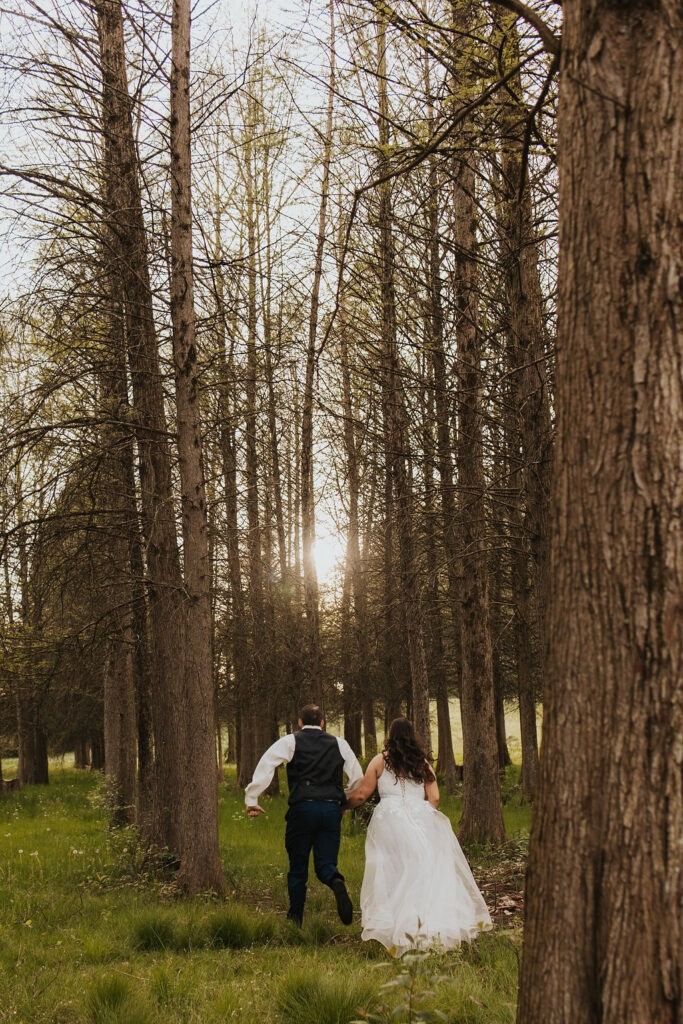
(316, 763)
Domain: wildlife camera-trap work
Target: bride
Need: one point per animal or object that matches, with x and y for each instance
(418, 890)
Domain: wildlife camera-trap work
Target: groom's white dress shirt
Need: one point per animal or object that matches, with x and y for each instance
(282, 752)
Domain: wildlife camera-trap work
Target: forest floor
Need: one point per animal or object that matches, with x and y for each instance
(95, 934)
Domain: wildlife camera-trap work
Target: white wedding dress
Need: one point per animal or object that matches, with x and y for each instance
(417, 881)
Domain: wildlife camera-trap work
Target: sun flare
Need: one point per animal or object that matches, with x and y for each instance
(329, 552)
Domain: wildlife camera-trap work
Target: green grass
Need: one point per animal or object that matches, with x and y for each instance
(87, 939)
(306, 995)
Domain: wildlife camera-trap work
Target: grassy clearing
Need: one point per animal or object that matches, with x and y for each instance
(88, 939)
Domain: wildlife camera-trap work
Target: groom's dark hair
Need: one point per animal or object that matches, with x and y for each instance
(311, 714)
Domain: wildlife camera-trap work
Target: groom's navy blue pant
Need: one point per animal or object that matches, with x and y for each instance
(311, 824)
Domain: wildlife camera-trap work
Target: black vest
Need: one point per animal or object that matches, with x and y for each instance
(316, 772)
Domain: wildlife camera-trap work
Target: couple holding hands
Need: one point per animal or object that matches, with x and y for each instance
(417, 889)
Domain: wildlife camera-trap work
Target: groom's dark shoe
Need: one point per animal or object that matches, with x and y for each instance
(296, 919)
(344, 904)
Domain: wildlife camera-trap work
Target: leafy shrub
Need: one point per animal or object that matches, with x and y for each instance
(306, 996)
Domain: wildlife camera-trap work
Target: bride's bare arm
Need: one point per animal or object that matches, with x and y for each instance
(366, 786)
(432, 790)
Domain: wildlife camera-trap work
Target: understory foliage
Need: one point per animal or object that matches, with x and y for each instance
(85, 943)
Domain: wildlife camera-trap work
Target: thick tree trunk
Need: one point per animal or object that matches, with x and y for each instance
(158, 518)
(130, 607)
(604, 934)
(119, 728)
(482, 815)
(200, 865)
(118, 683)
(41, 765)
(527, 331)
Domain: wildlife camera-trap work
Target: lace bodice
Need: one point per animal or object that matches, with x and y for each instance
(389, 786)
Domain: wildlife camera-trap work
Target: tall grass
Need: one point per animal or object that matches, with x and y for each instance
(308, 996)
(109, 1001)
(88, 940)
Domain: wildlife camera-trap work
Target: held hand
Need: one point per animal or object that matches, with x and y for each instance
(253, 812)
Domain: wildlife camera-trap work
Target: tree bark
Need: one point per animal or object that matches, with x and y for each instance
(525, 684)
(142, 667)
(164, 580)
(307, 483)
(248, 700)
(397, 427)
(482, 815)
(437, 665)
(119, 727)
(353, 554)
(200, 865)
(526, 326)
(604, 939)
(118, 685)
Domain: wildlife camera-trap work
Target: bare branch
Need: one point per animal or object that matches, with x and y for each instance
(551, 42)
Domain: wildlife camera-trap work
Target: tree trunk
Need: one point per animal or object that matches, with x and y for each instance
(81, 758)
(164, 579)
(527, 332)
(8, 609)
(525, 683)
(397, 426)
(249, 699)
(495, 572)
(307, 484)
(200, 865)
(353, 554)
(437, 665)
(118, 683)
(444, 455)
(142, 668)
(482, 814)
(41, 763)
(231, 756)
(119, 728)
(97, 752)
(228, 415)
(604, 938)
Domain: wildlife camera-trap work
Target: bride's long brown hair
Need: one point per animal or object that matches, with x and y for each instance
(403, 753)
